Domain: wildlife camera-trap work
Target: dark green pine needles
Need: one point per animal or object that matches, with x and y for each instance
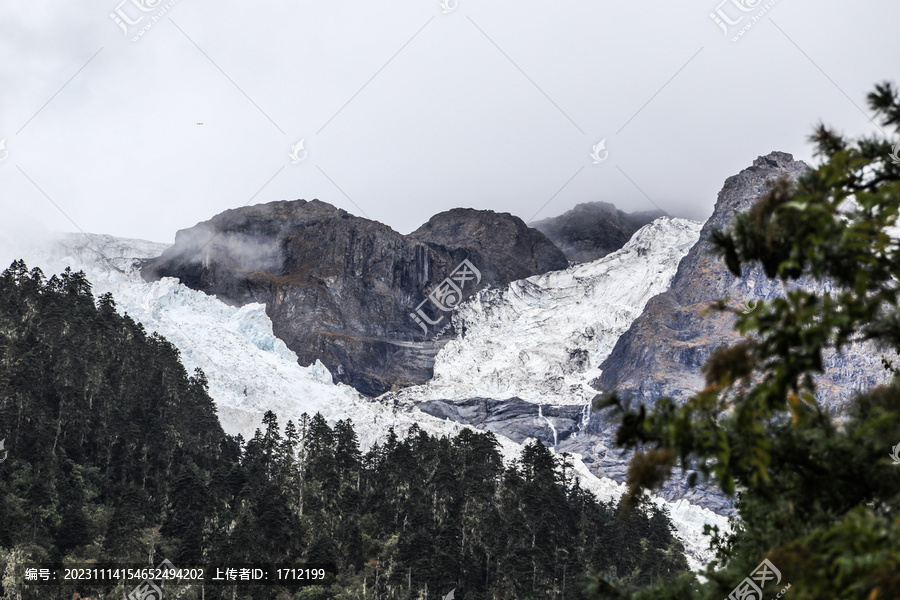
(116, 455)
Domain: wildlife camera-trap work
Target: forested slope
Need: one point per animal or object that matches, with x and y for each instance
(115, 454)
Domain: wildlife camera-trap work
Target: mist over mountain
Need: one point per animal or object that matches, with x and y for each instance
(521, 356)
(593, 229)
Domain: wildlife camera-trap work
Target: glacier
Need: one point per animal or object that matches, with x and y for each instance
(543, 338)
(539, 339)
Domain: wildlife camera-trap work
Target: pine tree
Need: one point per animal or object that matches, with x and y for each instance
(116, 454)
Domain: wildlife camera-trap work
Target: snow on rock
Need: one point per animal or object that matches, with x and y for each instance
(541, 339)
(250, 370)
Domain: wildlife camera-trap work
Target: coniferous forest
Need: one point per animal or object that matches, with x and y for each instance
(116, 455)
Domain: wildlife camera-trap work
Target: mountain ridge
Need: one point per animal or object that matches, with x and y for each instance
(342, 289)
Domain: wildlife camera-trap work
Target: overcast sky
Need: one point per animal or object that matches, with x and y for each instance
(407, 108)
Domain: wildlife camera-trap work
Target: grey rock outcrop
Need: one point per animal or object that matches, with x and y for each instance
(514, 418)
(663, 350)
(341, 288)
(594, 229)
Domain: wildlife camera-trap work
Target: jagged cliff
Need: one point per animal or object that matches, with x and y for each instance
(340, 288)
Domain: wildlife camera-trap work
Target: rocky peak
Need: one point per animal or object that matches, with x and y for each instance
(694, 279)
(663, 350)
(341, 288)
(742, 190)
(485, 233)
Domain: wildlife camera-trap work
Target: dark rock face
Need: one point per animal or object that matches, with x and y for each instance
(341, 288)
(593, 230)
(663, 350)
(486, 236)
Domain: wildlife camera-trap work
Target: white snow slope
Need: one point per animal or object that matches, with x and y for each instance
(541, 339)
(518, 342)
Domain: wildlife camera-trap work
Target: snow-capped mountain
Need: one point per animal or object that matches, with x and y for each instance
(541, 339)
(341, 288)
(250, 370)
